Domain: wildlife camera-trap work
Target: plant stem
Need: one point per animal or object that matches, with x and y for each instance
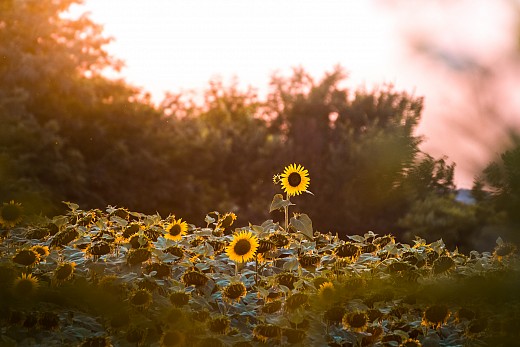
(286, 209)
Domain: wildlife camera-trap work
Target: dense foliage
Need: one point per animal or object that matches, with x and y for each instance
(68, 133)
(94, 278)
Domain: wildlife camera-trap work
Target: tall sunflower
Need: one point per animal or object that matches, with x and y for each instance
(176, 229)
(243, 247)
(11, 214)
(294, 179)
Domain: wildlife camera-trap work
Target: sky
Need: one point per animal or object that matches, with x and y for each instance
(434, 49)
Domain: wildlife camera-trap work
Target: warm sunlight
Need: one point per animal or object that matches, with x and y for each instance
(173, 45)
(180, 45)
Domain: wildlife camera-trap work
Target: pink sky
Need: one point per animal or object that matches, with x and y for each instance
(171, 45)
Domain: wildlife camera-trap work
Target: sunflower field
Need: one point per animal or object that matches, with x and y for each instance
(123, 278)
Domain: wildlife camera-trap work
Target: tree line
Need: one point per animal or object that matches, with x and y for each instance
(70, 134)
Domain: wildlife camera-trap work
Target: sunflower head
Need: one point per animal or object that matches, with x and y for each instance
(26, 257)
(219, 324)
(504, 250)
(443, 264)
(175, 251)
(234, 291)
(49, 320)
(135, 335)
(327, 291)
(436, 315)
(243, 247)
(64, 271)
(99, 248)
(179, 298)
(194, 278)
(295, 301)
(11, 214)
(137, 256)
(294, 180)
(272, 307)
(263, 332)
(294, 335)
(141, 299)
(356, 320)
(25, 285)
(42, 251)
(226, 221)
(176, 229)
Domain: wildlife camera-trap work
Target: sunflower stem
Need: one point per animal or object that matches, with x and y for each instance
(286, 210)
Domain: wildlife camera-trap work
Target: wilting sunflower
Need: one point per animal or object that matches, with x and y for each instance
(227, 220)
(294, 179)
(42, 251)
(243, 247)
(11, 214)
(356, 320)
(25, 285)
(176, 229)
(264, 332)
(141, 299)
(26, 257)
(234, 291)
(435, 315)
(64, 271)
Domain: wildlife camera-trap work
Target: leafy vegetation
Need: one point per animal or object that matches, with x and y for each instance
(93, 277)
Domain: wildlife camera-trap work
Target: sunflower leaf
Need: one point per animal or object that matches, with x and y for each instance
(303, 224)
(279, 203)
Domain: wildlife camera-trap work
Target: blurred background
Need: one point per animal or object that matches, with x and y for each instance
(406, 115)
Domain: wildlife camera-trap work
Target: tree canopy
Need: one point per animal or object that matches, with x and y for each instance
(70, 134)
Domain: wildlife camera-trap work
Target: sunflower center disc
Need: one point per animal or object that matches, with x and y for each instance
(10, 213)
(294, 179)
(175, 230)
(242, 247)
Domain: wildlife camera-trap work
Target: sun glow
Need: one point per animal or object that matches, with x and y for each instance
(173, 45)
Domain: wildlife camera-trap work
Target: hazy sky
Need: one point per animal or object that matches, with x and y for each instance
(180, 45)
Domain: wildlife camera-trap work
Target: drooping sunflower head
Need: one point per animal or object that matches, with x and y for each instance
(243, 247)
(141, 298)
(179, 298)
(264, 332)
(294, 179)
(436, 315)
(64, 271)
(227, 220)
(234, 291)
(26, 257)
(11, 214)
(219, 324)
(25, 285)
(42, 251)
(356, 320)
(176, 230)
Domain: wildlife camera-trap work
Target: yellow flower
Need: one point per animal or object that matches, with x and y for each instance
(176, 229)
(11, 214)
(295, 180)
(327, 291)
(243, 247)
(25, 285)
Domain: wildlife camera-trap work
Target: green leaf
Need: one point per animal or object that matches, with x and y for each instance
(291, 264)
(303, 224)
(279, 203)
(71, 205)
